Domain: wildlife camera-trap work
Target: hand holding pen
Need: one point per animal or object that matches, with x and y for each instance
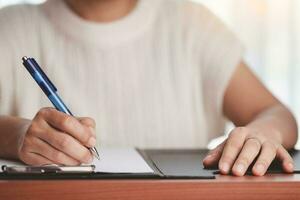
(55, 136)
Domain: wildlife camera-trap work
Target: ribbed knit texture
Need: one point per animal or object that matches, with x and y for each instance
(155, 78)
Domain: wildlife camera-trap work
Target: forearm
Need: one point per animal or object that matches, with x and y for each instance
(278, 123)
(12, 131)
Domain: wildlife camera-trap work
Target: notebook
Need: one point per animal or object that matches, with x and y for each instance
(118, 163)
(111, 161)
(137, 164)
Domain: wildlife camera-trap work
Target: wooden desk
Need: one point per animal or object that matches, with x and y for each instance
(223, 187)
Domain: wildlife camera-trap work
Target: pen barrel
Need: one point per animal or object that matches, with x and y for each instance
(53, 97)
(45, 84)
(59, 104)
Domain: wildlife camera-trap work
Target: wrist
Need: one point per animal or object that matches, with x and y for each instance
(13, 130)
(23, 127)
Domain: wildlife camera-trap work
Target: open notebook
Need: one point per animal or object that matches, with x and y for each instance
(111, 161)
(146, 163)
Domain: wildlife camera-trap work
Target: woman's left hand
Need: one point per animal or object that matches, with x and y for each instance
(242, 147)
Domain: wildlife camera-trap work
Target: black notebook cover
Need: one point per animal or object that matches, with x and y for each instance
(179, 164)
(187, 163)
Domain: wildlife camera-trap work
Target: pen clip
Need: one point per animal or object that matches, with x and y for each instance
(43, 74)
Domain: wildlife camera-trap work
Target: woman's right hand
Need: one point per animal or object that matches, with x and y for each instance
(57, 138)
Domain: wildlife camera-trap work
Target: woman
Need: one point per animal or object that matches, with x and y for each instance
(158, 73)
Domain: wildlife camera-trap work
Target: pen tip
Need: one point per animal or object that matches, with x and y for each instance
(97, 156)
(95, 153)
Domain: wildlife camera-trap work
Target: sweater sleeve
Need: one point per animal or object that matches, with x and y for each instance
(219, 52)
(222, 54)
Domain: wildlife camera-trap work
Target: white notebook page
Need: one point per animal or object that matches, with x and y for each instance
(112, 160)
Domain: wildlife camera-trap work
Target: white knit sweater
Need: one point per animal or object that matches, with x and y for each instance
(155, 78)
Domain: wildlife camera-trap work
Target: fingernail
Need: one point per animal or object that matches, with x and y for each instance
(225, 167)
(92, 142)
(260, 168)
(290, 166)
(208, 157)
(240, 168)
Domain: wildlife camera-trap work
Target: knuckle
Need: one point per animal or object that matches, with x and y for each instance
(270, 145)
(244, 160)
(66, 122)
(64, 142)
(227, 159)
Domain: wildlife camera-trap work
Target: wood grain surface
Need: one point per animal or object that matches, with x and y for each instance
(223, 187)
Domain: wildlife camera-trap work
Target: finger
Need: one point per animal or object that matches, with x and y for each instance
(35, 159)
(213, 156)
(58, 157)
(67, 144)
(90, 123)
(267, 155)
(68, 124)
(247, 155)
(287, 160)
(231, 150)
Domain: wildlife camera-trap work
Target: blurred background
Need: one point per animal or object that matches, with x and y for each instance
(270, 31)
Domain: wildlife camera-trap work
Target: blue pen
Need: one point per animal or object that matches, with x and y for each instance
(49, 89)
